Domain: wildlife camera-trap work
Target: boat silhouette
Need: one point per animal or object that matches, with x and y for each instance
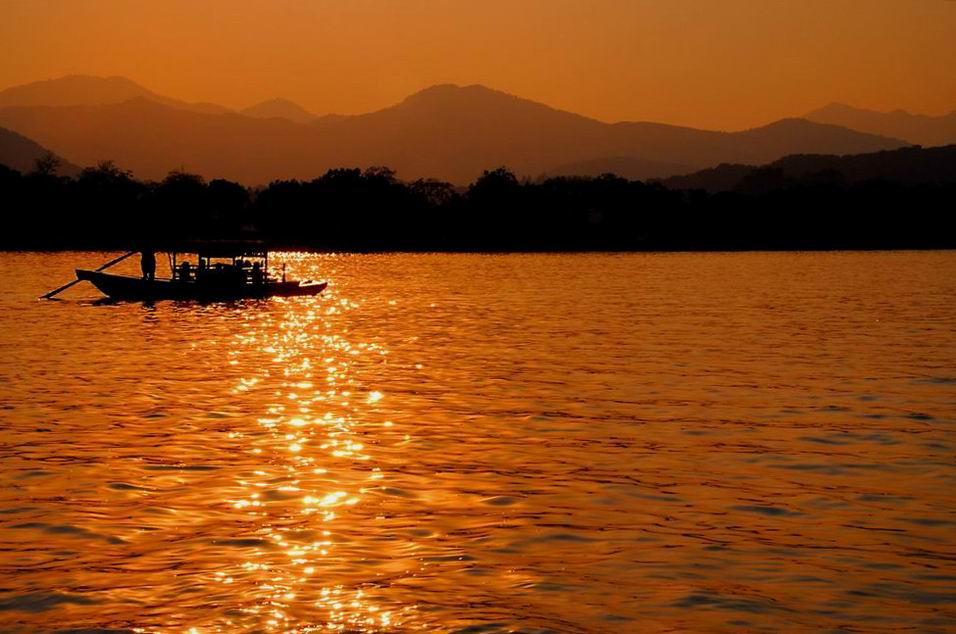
(224, 270)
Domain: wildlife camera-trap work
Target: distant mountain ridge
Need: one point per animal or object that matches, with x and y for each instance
(905, 166)
(88, 90)
(20, 153)
(916, 128)
(279, 109)
(446, 131)
(630, 167)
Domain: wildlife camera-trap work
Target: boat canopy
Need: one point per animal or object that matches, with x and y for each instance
(220, 248)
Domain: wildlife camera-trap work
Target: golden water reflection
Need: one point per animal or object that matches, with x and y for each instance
(537, 443)
(316, 472)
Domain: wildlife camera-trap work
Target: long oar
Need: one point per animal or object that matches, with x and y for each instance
(77, 281)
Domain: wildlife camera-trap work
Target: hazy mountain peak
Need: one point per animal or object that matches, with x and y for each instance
(73, 90)
(91, 90)
(833, 108)
(788, 123)
(279, 108)
(475, 94)
(435, 90)
(449, 88)
(507, 114)
(915, 128)
(805, 136)
(278, 101)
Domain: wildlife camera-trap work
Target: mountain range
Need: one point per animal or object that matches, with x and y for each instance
(916, 128)
(905, 166)
(447, 132)
(86, 90)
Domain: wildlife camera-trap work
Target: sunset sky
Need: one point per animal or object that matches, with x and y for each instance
(726, 64)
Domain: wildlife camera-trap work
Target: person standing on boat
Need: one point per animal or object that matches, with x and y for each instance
(147, 263)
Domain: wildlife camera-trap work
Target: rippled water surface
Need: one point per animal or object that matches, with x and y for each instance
(526, 443)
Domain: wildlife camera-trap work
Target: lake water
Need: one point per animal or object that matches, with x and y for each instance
(487, 443)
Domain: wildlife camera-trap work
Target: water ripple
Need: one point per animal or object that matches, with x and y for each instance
(546, 443)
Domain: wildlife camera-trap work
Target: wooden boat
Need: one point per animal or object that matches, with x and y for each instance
(224, 270)
(126, 287)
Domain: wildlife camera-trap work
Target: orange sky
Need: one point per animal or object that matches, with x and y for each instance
(725, 64)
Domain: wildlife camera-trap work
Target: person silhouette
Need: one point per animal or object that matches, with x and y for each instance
(147, 263)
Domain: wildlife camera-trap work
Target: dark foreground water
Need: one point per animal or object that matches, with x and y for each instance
(529, 443)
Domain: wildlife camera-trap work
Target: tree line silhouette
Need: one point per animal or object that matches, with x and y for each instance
(104, 207)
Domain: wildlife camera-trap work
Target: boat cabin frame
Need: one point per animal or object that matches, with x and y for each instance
(221, 259)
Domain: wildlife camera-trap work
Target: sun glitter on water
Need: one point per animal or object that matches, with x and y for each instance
(297, 508)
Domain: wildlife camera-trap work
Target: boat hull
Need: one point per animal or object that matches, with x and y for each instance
(124, 287)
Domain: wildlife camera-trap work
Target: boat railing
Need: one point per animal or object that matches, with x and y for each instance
(223, 274)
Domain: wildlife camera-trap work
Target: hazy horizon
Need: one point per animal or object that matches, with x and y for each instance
(725, 65)
(285, 101)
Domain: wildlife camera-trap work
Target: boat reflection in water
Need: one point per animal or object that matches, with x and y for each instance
(224, 270)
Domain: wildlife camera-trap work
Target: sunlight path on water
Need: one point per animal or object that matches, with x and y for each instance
(568, 444)
(300, 507)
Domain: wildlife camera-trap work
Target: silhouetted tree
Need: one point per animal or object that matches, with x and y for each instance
(228, 206)
(432, 192)
(47, 165)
